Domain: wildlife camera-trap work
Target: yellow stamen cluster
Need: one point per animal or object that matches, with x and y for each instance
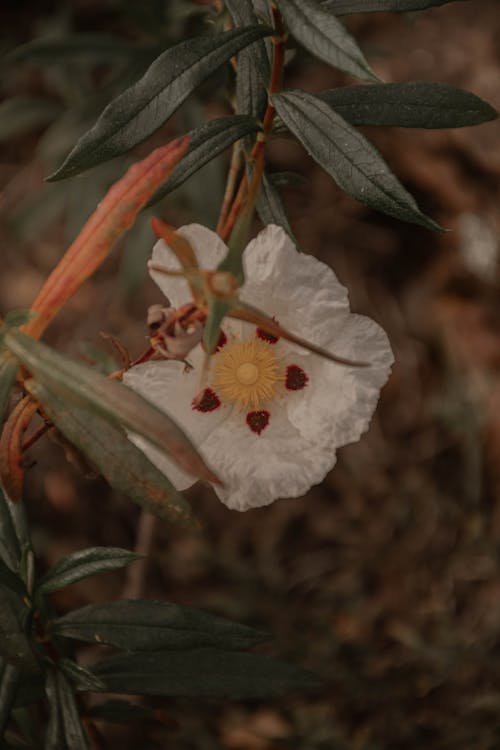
(246, 373)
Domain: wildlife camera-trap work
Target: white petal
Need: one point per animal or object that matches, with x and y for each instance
(258, 469)
(209, 250)
(166, 385)
(302, 292)
(336, 406)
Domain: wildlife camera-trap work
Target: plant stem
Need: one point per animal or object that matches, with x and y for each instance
(247, 193)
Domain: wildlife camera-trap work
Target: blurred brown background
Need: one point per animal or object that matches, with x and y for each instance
(385, 579)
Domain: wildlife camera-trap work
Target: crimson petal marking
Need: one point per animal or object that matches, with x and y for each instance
(207, 401)
(258, 420)
(296, 378)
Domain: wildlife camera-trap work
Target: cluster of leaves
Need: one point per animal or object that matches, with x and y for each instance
(164, 649)
(193, 653)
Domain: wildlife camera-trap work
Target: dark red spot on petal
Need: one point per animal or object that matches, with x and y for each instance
(296, 379)
(222, 341)
(206, 401)
(258, 420)
(265, 336)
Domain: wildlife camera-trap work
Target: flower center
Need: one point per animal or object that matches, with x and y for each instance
(246, 373)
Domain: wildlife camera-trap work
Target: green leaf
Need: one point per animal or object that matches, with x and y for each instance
(137, 625)
(9, 683)
(205, 143)
(122, 464)
(270, 206)
(217, 309)
(252, 70)
(203, 672)
(82, 564)
(79, 676)
(343, 7)
(107, 398)
(14, 644)
(325, 37)
(92, 48)
(145, 106)
(347, 156)
(11, 581)
(65, 730)
(8, 372)
(22, 114)
(409, 105)
(10, 548)
(121, 712)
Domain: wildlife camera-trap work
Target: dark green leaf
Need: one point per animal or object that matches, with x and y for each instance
(11, 581)
(270, 206)
(217, 309)
(93, 48)
(325, 37)
(22, 114)
(252, 71)
(203, 672)
(343, 7)
(409, 105)
(145, 106)
(10, 548)
(82, 564)
(79, 676)
(65, 730)
(121, 712)
(137, 625)
(205, 143)
(124, 466)
(9, 683)
(107, 398)
(347, 156)
(16, 318)
(8, 372)
(14, 644)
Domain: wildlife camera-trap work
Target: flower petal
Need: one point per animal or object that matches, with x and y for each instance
(302, 293)
(209, 250)
(336, 406)
(258, 469)
(166, 385)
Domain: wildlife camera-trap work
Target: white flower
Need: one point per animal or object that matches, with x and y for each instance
(271, 416)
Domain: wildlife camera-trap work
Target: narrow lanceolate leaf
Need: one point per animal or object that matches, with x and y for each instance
(145, 106)
(137, 625)
(11, 467)
(243, 311)
(8, 371)
(343, 7)
(93, 48)
(82, 564)
(409, 105)
(270, 206)
(10, 548)
(217, 310)
(10, 580)
(252, 68)
(65, 730)
(15, 647)
(203, 672)
(325, 37)
(347, 156)
(81, 677)
(9, 682)
(107, 398)
(123, 465)
(114, 215)
(205, 143)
